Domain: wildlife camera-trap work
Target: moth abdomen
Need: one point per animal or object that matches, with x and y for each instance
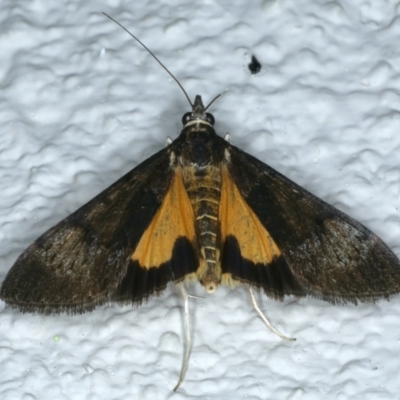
(204, 191)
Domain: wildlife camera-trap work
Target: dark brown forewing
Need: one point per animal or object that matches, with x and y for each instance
(330, 255)
(81, 262)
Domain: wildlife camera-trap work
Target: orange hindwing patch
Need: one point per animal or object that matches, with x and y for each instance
(173, 220)
(239, 220)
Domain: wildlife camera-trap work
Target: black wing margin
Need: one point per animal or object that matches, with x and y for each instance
(330, 255)
(84, 260)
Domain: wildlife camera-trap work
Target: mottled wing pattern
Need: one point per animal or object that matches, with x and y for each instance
(323, 252)
(86, 259)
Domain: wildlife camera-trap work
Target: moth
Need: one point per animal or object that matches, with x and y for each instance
(200, 210)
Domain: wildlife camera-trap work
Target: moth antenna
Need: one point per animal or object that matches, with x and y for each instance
(212, 101)
(152, 54)
(265, 319)
(188, 343)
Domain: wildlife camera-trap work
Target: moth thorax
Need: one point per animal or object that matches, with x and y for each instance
(199, 149)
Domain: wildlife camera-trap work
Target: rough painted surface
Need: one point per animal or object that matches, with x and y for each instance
(81, 104)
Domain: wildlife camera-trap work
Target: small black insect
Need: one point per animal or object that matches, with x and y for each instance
(254, 66)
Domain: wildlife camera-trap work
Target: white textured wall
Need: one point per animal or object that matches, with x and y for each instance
(81, 104)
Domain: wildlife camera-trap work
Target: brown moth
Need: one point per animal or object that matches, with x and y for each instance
(200, 209)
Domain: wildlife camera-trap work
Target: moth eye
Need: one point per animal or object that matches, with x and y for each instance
(210, 118)
(186, 118)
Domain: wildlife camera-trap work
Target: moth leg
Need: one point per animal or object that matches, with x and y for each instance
(188, 343)
(265, 319)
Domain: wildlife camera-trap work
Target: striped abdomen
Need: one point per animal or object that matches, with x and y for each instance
(204, 191)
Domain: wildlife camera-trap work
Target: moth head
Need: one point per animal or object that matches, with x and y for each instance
(198, 115)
